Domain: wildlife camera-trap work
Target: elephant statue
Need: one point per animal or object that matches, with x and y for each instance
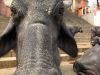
(35, 30)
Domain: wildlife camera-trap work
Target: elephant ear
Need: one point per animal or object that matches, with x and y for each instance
(66, 42)
(8, 39)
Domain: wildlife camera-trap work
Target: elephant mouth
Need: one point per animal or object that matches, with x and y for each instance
(81, 31)
(40, 22)
(81, 70)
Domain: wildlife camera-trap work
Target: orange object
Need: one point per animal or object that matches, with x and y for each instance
(81, 6)
(4, 11)
(8, 12)
(2, 8)
(95, 11)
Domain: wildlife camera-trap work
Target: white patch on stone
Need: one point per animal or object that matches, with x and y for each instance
(67, 3)
(7, 2)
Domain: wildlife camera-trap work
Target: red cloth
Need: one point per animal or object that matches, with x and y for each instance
(82, 5)
(95, 11)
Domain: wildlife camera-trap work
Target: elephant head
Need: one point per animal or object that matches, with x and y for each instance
(89, 62)
(36, 29)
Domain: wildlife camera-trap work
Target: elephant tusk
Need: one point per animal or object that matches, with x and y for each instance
(7, 2)
(67, 3)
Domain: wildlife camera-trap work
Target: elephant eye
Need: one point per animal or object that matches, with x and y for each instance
(13, 10)
(58, 15)
(61, 10)
(17, 15)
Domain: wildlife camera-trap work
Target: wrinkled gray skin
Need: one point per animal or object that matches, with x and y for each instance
(95, 41)
(89, 62)
(95, 31)
(74, 29)
(36, 30)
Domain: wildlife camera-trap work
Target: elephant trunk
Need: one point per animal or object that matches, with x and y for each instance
(35, 54)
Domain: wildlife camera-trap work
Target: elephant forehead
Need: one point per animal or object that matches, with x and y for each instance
(39, 4)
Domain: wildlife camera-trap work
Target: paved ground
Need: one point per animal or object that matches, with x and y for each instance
(66, 69)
